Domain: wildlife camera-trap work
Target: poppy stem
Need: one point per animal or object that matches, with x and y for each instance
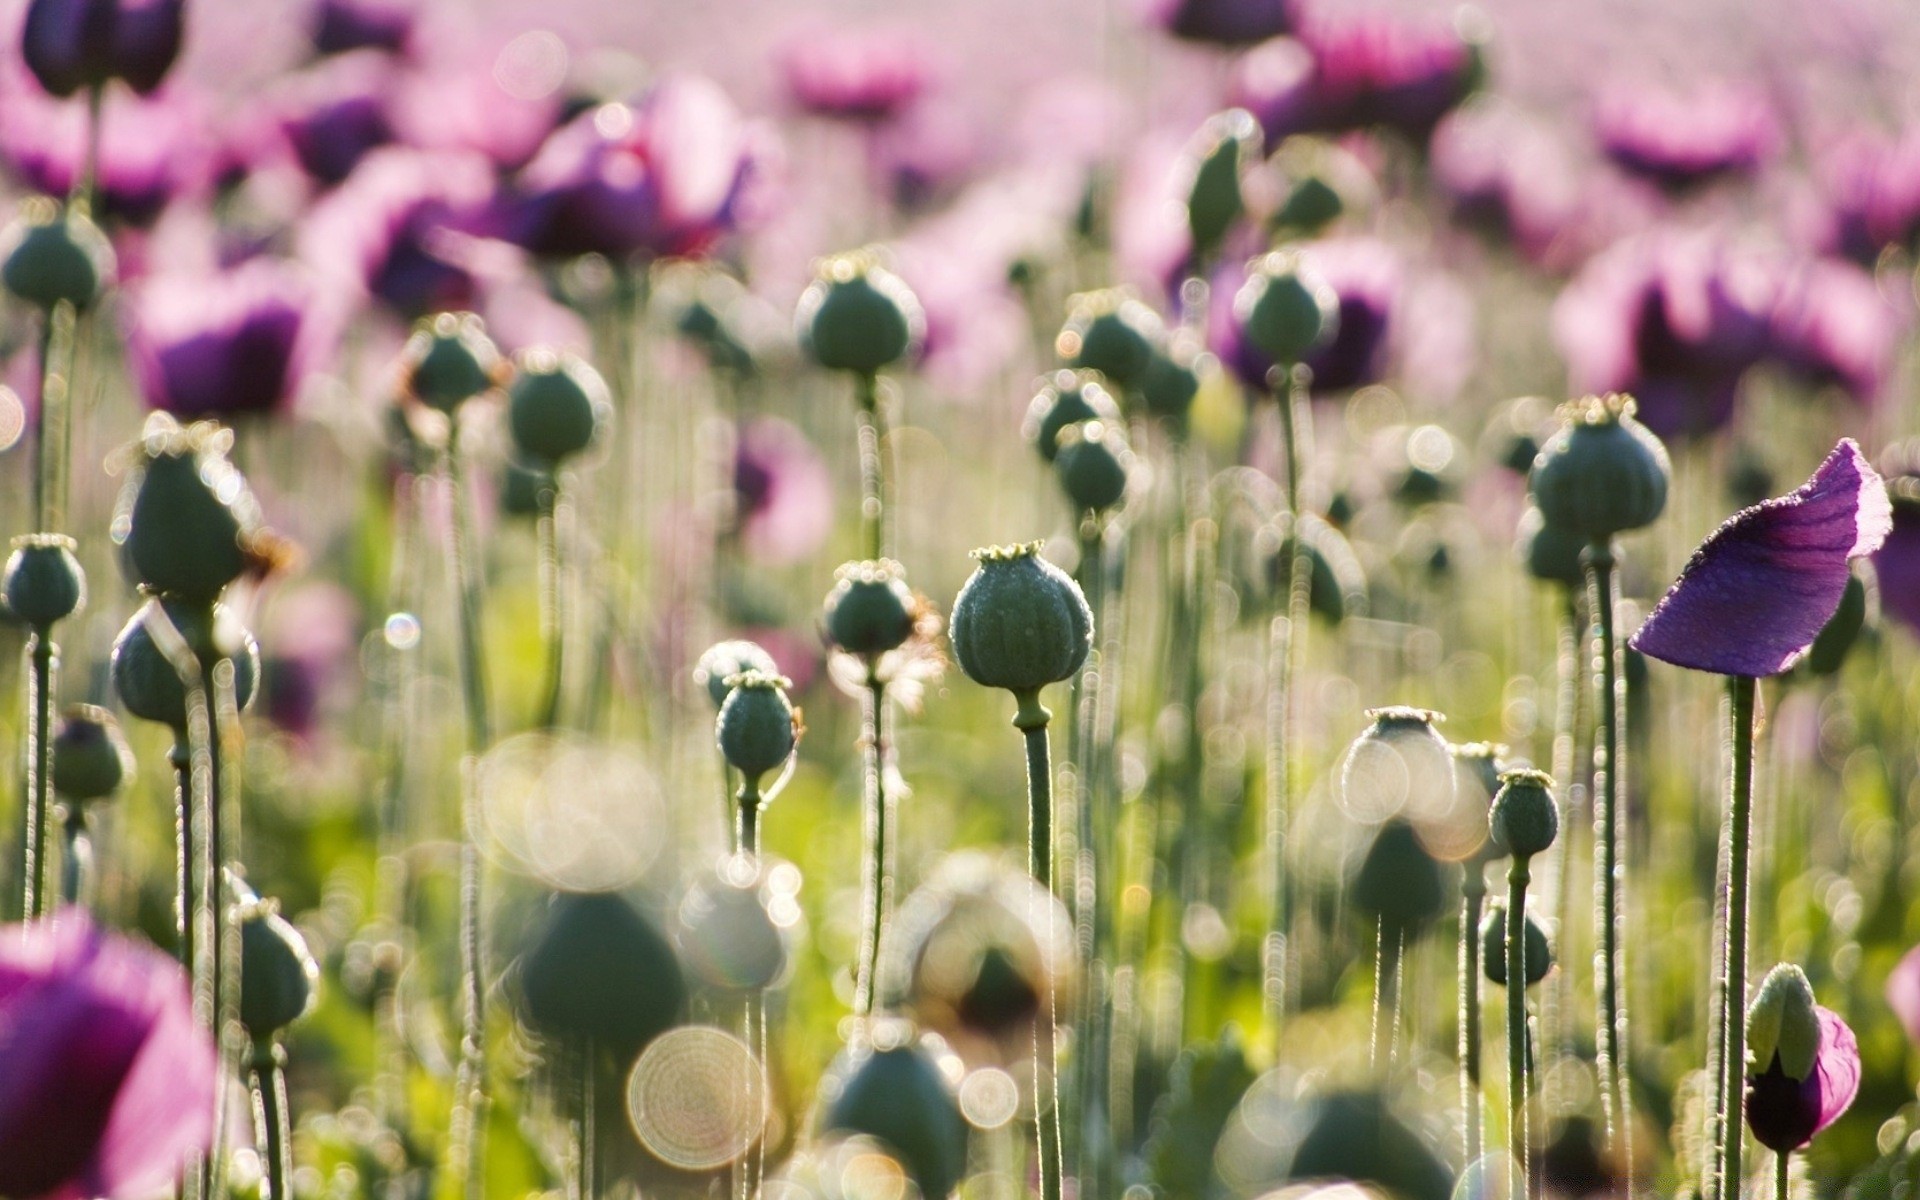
(1781, 1185)
(553, 617)
(1739, 832)
(76, 867)
(1031, 720)
(44, 655)
(1287, 640)
(746, 830)
(879, 882)
(871, 434)
(273, 1118)
(1608, 870)
(1473, 894)
(1519, 1178)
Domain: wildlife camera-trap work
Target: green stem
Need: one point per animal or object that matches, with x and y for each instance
(1286, 653)
(76, 867)
(36, 901)
(1566, 726)
(746, 807)
(1472, 895)
(553, 617)
(1031, 720)
(273, 1118)
(1739, 834)
(180, 757)
(586, 1131)
(1781, 1185)
(874, 802)
(1608, 769)
(871, 435)
(1517, 1079)
(85, 187)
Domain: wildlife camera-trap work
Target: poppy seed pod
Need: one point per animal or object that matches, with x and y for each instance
(1399, 765)
(1168, 387)
(1357, 1136)
(556, 406)
(1603, 472)
(43, 582)
(1493, 948)
(1226, 143)
(898, 1096)
(1311, 205)
(1551, 554)
(1525, 818)
(858, 316)
(521, 488)
(1093, 464)
(870, 610)
(1829, 650)
(278, 975)
(724, 660)
(1399, 881)
(1111, 332)
(145, 678)
(757, 727)
(49, 255)
(1067, 398)
(190, 518)
(449, 360)
(1019, 622)
(1285, 308)
(599, 969)
(90, 755)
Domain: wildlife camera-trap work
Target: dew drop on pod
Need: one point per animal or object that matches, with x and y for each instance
(557, 405)
(858, 316)
(1112, 332)
(49, 255)
(1603, 472)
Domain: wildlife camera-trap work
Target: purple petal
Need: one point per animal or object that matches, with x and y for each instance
(1761, 587)
(1903, 992)
(1837, 1067)
(1897, 563)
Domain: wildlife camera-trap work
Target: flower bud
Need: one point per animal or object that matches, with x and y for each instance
(1525, 818)
(1019, 622)
(278, 975)
(556, 406)
(1399, 881)
(1110, 332)
(870, 610)
(857, 315)
(1493, 948)
(144, 676)
(599, 969)
(51, 255)
(1286, 308)
(1093, 464)
(1228, 141)
(90, 755)
(1781, 1020)
(1551, 554)
(43, 582)
(899, 1096)
(191, 523)
(1602, 473)
(449, 360)
(74, 44)
(758, 727)
(1067, 398)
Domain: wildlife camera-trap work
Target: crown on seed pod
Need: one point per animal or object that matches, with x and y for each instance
(1019, 622)
(1602, 472)
(858, 316)
(758, 726)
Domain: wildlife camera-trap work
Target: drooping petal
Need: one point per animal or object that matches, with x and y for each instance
(1760, 588)
(1837, 1067)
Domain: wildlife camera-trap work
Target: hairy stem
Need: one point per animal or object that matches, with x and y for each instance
(1031, 720)
(1739, 833)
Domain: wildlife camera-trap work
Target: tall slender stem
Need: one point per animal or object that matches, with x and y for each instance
(273, 1118)
(1739, 832)
(180, 757)
(1287, 640)
(746, 805)
(36, 900)
(1473, 894)
(872, 437)
(1566, 736)
(1031, 720)
(586, 1132)
(874, 801)
(1518, 1144)
(1608, 771)
(76, 866)
(1782, 1186)
(553, 617)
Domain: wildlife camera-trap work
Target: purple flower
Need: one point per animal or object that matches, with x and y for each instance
(107, 1083)
(74, 44)
(855, 75)
(1508, 177)
(1872, 188)
(666, 176)
(342, 26)
(1763, 585)
(1221, 22)
(1903, 982)
(1832, 325)
(783, 492)
(151, 150)
(1367, 278)
(502, 105)
(1785, 1113)
(1682, 141)
(1897, 566)
(242, 341)
(338, 111)
(399, 229)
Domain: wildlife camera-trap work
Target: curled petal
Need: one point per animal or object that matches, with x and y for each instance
(1760, 588)
(1837, 1067)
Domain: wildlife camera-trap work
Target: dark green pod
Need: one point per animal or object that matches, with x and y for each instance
(598, 969)
(449, 360)
(49, 256)
(724, 660)
(858, 316)
(756, 728)
(43, 582)
(1493, 948)
(1551, 554)
(870, 610)
(899, 1097)
(278, 974)
(1066, 399)
(1093, 465)
(1113, 333)
(1019, 622)
(1226, 143)
(1286, 308)
(189, 515)
(145, 678)
(556, 406)
(1400, 882)
(90, 755)
(1603, 473)
(1525, 818)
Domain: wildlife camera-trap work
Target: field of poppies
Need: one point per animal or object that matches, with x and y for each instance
(1123, 599)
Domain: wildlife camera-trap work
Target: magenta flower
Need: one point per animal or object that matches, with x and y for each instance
(1221, 22)
(503, 105)
(74, 44)
(1897, 566)
(1508, 178)
(1903, 993)
(1762, 586)
(854, 75)
(665, 177)
(1872, 189)
(242, 341)
(400, 230)
(1785, 1113)
(151, 149)
(342, 26)
(1367, 279)
(1832, 325)
(1682, 141)
(336, 112)
(107, 1083)
(783, 492)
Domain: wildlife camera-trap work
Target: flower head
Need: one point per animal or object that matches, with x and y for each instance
(1682, 141)
(854, 75)
(1760, 588)
(107, 1083)
(74, 44)
(243, 341)
(1786, 1112)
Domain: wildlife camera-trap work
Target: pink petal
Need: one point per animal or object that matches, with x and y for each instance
(1837, 1065)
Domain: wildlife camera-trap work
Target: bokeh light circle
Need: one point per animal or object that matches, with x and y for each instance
(697, 1098)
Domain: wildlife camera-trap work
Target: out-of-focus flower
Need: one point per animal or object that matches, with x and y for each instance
(1832, 325)
(1903, 982)
(336, 112)
(503, 105)
(151, 149)
(342, 26)
(666, 176)
(1681, 141)
(1361, 71)
(107, 1083)
(1367, 281)
(924, 157)
(1872, 190)
(1507, 177)
(397, 229)
(854, 74)
(1221, 22)
(313, 632)
(75, 44)
(1897, 566)
(238, 342)
(1760, 588)
(783, 492)
(1784, 1112)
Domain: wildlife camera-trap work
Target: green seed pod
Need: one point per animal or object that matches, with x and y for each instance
(899, 1097)
(1223, 148)
(449, 360)
(520, 488)
(1093, 465)
(1476, 775)
(278, 975)
(1603, 472)
(556, 406)
(1356, 1136)
(1400, 882)
(145, 678)
(43, 582)
(50, 255)
(1067, 398)
(1019, 622)
(598, 968)
(1552, 555)
(1168, 387)
(1398, 766)
(1285, 308)
(90, 755)
(1781, 1020)
(1829, 650)
(857, 315)
(726, 936)
(724, 660)
(1311, 205)
(1525, 818)
(1493, 947)
(191, 523)
(1111, 332)
(757, 728)
(870, 610)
